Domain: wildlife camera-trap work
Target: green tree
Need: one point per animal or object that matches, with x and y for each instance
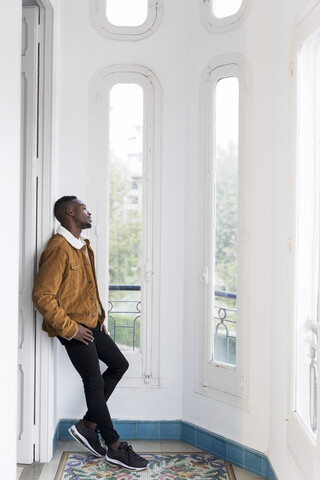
(124, 226)
(226, 203)
(124, 251)
(226, 233)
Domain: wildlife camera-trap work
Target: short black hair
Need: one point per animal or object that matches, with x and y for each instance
(60, 204)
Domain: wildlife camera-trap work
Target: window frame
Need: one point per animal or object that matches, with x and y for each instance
(215, 379)
(220, 25)
(302, 446)
(115, 32)
(144, 365)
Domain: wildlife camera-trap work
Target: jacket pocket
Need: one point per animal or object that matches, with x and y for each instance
(74, 276)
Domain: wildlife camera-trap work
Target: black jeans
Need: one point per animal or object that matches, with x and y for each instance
(97, 387)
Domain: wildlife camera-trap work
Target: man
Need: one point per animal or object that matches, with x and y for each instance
(66, 294)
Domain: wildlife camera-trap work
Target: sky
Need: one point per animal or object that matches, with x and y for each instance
(225, 8)
(129, 13)
(132, 13)
(126, 112)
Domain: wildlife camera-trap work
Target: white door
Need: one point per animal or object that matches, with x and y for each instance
(27, 415)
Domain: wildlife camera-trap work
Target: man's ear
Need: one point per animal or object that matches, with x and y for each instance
(69, 212)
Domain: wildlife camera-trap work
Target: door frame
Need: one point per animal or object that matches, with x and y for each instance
(44, 365)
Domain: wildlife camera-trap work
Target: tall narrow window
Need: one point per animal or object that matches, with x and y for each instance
(221, 15)
(225, 172)
(126, 19)
(308, 235)
(223, 289)
(125, 197)
(125, 213)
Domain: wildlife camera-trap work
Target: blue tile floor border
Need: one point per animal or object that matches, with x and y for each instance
(235, 453)
(55, 439)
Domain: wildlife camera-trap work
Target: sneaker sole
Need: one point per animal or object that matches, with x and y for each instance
(117, 462)
(81, 439)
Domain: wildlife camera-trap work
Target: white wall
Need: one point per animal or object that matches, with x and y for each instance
(178, 54)
(284, 31)
(263, 39)
(252, 39)
(82, 51)
(10, 51)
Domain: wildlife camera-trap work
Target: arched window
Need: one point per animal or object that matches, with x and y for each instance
(221, 15)
(223, 288)
(125, 193)
(126, 19)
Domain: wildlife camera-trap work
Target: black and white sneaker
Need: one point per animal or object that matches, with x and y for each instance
(88, 438)
(126, 457)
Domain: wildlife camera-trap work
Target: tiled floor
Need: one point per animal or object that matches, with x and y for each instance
(244, 474)
(47, 471)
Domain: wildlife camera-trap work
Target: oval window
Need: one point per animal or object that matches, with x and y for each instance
(222, 9)
(127, 13)
(221, 15)
(126, 19)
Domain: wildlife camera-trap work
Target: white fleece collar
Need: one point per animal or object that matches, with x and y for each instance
(74, 242)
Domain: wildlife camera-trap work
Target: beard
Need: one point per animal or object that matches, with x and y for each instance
(87, 225)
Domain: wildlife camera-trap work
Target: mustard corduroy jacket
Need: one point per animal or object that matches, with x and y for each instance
(65, 290)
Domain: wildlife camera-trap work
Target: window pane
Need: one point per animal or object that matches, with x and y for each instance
(226, 219)
(125, 207)
(307, 259)
(127, 13)
(225, 8)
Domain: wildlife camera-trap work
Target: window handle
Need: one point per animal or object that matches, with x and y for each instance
(205, 275)
(148, 272)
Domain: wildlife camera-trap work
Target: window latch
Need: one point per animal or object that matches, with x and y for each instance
(205, 275)
(147, 376)
(148, 272)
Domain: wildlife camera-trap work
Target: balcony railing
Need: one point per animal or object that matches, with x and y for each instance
(124, 316)
(224, 328)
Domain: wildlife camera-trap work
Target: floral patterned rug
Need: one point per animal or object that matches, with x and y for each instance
(162, 466)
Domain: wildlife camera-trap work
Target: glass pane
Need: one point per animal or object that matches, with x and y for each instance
(307, 258)
(225, 8)
(127, 13)
(125, 207)
(226, 219)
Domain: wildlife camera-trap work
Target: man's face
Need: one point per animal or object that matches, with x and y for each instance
(82, 216)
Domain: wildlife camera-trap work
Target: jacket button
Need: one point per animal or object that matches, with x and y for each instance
(76, 266)
(92, 298)
(93, 314)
